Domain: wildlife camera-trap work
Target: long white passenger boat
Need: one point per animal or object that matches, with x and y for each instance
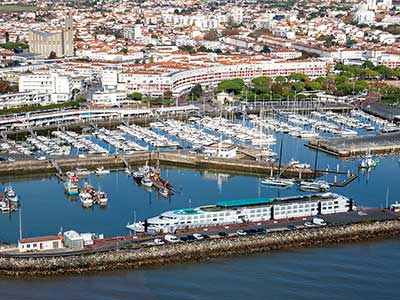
(244, 211)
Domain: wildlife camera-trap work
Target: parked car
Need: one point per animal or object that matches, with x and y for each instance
(198, 236)
(190, 237)
(223, 234)
(241, 232)
(261, 230)
(251, 231)
(159, 242)
(171, 238)
(291, 227)
(309, 224)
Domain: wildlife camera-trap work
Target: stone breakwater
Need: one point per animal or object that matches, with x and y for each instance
(195, 251)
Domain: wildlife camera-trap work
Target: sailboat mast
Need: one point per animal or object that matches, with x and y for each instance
(316, 161)
(280, 158)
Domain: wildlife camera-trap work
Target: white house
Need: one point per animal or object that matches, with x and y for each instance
(42, 243)
(221, 149)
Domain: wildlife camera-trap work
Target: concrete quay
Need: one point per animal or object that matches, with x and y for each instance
(198, 161)
(388, 143)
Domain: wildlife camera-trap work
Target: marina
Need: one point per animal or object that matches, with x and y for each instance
(162, 173)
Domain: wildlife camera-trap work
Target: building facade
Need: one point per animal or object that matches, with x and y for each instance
(43, 243)
(60, 42)
(58, 86)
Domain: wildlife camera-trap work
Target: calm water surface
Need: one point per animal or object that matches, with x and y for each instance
(359, 271)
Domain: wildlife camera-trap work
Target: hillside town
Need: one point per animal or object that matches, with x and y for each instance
(117, 53)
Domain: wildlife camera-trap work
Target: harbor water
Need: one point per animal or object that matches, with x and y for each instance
(366, 271)
(357, 271)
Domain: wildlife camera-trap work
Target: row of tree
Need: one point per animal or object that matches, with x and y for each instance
(347, 80)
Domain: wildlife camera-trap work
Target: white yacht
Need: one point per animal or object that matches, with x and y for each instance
(278, 182)
(102, 171)
(244, 211)
(317, 186)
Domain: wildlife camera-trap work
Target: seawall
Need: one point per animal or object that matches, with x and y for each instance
(21, 167)
(134, 258)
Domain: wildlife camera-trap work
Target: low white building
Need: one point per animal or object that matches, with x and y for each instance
(58, 86)
(42, 243)
(73, 239)
(221, 149)
(224, 97)
(24, 99)
(111, 98)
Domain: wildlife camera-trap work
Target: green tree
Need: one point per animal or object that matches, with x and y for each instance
(384, 71)
(280, 79)
(262, 84)
(124, 50)
(314, 85)
(360, 85)
(298, 86)
(370, 74)
(233, 85)
(368, 65)
(136, 96)
(341, 79)
(196, 92)
(298, 77)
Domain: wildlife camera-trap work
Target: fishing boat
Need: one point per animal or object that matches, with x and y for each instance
(138, 176)
(101, 198)
(317, 186)
(160, 183)
(72, 176)
(147, 182)
(142, 172)
(10, 194)
(245, 210)
(71, 187)
(102, 171)
(164, 192)
(277, 182)
(86, 199)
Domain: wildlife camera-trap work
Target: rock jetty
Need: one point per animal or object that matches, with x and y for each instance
(134, 258)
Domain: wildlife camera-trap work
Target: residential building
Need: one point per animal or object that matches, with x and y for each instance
(58, 86)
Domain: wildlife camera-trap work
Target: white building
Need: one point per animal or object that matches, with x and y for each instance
(58, 86)
(109, 80)
(221, 149)
(133, 32)
(73, 239)
(111, 98)
(24, 99)
(237, 15)
(42, 243)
